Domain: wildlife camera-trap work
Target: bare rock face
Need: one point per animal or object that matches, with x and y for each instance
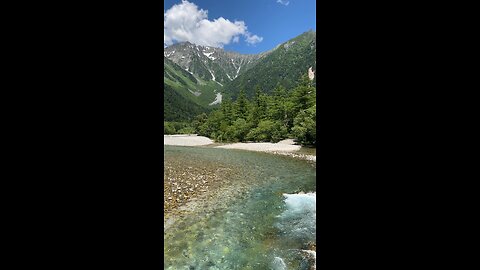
(311, 73)
(211, 63)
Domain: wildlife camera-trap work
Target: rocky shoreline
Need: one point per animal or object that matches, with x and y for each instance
(296, 155)
(189, 187)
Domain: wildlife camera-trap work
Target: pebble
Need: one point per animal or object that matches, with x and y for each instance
(183, 182)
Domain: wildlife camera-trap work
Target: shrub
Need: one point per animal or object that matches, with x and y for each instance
(168, 128)
(304, 126)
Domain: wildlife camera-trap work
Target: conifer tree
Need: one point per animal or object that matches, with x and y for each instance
(241, 106)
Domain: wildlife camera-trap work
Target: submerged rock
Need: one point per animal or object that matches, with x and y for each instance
(184, 181)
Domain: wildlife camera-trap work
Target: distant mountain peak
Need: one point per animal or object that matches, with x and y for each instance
(210, 63)
(205, 74)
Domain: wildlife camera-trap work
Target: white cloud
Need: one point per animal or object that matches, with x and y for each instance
(186, 22)
(252, 39)
(283, 2)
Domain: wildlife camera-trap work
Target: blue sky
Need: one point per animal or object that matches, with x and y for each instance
(255, 25)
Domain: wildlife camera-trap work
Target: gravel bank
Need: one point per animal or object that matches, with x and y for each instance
(186, 140)
(284, 146)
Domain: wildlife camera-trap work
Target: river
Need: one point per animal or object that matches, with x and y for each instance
(264, 218)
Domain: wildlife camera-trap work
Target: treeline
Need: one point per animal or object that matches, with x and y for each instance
(170, 128)
(265, 118)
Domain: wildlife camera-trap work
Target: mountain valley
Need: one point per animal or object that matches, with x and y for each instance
(197, 78)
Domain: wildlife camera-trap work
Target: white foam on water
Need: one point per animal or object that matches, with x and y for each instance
(278, 264)
(299, 218)
(301, 203)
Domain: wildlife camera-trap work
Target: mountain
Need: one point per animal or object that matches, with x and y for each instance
(204, 75)
(282, 66)
(197, 74)
(210, 63)
(181, 93)
(178, 108)
(192, 87)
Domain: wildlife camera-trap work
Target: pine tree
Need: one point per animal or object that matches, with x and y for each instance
(227, 109)
(241, 105)
(258, 108)
(304, 94)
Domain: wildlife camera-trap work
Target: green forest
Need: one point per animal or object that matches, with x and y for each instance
(177, 107)
(282, 66)
(283, 113)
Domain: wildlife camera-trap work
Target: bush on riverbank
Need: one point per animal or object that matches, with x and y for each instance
(170, 128)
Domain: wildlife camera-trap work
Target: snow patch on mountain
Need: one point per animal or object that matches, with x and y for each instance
(238, 70)
(211, 73)
(209, 55)
(218, 99)
(189, 71)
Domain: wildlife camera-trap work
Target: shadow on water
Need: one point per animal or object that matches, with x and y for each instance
(261, 228)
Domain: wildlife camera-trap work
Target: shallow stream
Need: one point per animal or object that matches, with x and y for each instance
(263, 219)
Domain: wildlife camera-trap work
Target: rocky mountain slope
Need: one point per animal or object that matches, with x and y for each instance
(283, 66)
(204, 75)
(211, 63)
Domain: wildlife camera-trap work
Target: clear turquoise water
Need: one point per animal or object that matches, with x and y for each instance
(258, 229)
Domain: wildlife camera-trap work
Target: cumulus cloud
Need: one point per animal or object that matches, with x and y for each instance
(252, 39)
(283, 2)
(186, 22)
